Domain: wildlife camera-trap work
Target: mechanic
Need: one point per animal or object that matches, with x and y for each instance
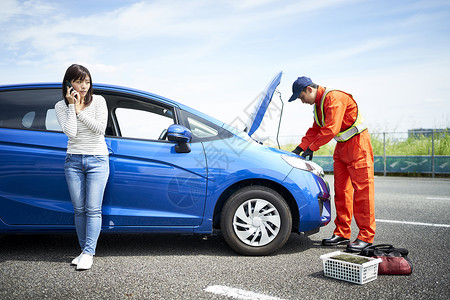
(337, 116)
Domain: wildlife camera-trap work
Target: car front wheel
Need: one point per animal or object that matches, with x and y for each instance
(256, 220)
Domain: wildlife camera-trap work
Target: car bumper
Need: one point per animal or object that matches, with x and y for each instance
(312, 194)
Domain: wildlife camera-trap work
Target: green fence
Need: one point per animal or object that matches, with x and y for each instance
(417, 151)
(399, 164)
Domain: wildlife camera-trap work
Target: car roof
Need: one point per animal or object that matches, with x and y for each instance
(114, 88)
(96, 86)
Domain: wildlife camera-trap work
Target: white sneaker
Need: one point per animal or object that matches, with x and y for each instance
(85, 262)
(76, 260)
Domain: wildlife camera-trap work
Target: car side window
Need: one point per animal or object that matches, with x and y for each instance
(28, 118)
(203, 130)
(144, 121)
(51, 121)
(200, 129)
(29, 109)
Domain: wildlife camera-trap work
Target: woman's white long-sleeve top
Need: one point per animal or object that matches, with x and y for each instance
(86, 131)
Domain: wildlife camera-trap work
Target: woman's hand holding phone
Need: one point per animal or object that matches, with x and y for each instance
(71, 94)
(74, 97)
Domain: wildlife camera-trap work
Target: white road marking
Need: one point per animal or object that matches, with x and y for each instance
(412, 223)
(237, 293)
(437, 198)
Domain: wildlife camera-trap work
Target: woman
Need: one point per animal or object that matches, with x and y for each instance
(83, 117)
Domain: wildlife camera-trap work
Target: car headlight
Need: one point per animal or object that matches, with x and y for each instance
(302, 164)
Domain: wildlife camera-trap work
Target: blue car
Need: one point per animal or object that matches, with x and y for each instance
(173, 170)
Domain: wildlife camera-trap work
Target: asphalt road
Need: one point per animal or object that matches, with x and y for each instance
(193, 267)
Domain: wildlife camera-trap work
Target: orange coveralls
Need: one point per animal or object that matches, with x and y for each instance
(353, 164)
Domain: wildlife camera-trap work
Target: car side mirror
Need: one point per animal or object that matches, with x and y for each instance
(182, 136)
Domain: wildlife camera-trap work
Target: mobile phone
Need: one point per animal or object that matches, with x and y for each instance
(68, 85)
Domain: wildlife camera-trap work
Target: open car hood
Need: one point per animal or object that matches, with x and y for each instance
(262, 103)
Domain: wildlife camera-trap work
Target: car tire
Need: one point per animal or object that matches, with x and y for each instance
(256, 220)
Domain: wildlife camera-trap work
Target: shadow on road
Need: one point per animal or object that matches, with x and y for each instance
(61, 247)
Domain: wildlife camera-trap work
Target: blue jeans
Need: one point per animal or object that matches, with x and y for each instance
(86, 177)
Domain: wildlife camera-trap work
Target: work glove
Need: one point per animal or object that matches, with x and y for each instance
(297, 150)
(308, 152)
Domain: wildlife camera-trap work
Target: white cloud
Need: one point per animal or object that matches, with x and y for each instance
(249, 4)
(8, 8)
(217, 56)
(13, 8)
(433, 100)
(146, 20)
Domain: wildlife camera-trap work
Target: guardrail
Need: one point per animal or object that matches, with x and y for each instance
(418, 151)
(418, 164)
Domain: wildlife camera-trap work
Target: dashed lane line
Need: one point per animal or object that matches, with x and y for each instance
(237, 293)
(413, 223)
(438, 198)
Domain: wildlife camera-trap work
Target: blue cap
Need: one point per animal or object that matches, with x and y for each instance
(298, 86)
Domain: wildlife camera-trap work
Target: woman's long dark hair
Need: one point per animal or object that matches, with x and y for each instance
(77, 72)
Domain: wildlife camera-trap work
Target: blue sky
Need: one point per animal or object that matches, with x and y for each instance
(217, 56)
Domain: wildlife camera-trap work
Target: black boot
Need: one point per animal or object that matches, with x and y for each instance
(335, 240)
(357, 246)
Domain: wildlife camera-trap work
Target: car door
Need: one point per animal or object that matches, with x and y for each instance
(33, 189)
(150, 183)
